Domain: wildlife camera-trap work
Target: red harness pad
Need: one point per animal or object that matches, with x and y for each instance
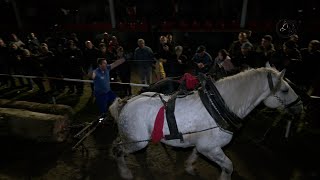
(191, 81)
(157, 133)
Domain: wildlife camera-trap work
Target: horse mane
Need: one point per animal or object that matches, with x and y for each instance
(239, 90)
(249, 73)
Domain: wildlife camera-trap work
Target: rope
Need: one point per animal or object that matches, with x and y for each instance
(72, 80)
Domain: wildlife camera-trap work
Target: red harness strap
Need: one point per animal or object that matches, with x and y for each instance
(157, 133)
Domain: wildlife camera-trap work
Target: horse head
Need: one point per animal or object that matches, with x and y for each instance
(281, 94)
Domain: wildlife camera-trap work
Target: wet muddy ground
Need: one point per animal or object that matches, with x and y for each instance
(255, 154)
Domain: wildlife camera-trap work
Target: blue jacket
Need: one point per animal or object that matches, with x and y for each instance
(102, 81)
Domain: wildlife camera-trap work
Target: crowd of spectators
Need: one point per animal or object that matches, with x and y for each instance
(67, 57)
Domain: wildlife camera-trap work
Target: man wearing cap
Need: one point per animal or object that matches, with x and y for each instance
(101, 80)
(202, 60)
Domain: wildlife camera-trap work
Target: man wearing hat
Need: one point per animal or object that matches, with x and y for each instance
(202, 60)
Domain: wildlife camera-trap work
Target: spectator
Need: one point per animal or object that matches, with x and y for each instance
(74, 38)
(104, 53)
(4, 63)
(172, 44)
(145, 58)
(47, 64)
(162, 41)
(105, 38)
(264, 51)
(295, 39)
(74, 65)
(33, 43)
(27, 64)
(17, 41)
(91, 55)
(288, 58)
(102, 91)
(235, 48)
(202, 60)
(184, 65)
(223, 65)
(159, 67)
(124, 71)
(113, 46)
(169, 61)
(310, 63)
(33, 68)
(246, 59)
(15, 65)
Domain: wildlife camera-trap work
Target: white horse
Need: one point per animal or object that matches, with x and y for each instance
(241, 93)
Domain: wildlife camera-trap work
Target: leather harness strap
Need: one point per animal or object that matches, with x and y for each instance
(215, 105)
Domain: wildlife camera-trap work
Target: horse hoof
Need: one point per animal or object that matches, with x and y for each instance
(191, 171)
(126, 174)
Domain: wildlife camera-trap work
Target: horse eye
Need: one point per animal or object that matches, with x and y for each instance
(285, 90)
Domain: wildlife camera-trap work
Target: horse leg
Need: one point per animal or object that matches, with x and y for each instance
(119, 151)
(218, 156)
(190, 161)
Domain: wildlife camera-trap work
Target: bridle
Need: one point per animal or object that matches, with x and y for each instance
(274, 89)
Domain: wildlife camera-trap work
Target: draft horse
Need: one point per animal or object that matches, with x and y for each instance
(241, 94)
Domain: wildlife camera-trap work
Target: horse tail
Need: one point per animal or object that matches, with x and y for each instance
(115, 108)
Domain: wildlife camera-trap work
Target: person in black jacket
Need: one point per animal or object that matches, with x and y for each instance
(265, 51)
(74, 65)
(288, 58)
(47, 64)
(15, 64)
(4, 66)
(309, 70)
(91, 55)
(246, 59)
(169, 61)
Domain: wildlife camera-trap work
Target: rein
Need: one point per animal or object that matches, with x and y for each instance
(149, 140)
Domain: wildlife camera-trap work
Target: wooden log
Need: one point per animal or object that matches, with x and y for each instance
(34, 125)
(57, 109)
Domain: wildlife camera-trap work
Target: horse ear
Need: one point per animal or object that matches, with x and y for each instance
(282, 73)
(268, 64)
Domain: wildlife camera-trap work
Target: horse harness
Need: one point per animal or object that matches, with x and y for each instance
(226, 120)
(171, 119)
(273, 89)
(213, 102)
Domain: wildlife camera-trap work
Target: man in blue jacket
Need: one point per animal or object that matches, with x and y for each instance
(101, 80)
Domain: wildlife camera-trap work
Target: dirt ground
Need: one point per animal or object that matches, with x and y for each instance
(255, 154)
